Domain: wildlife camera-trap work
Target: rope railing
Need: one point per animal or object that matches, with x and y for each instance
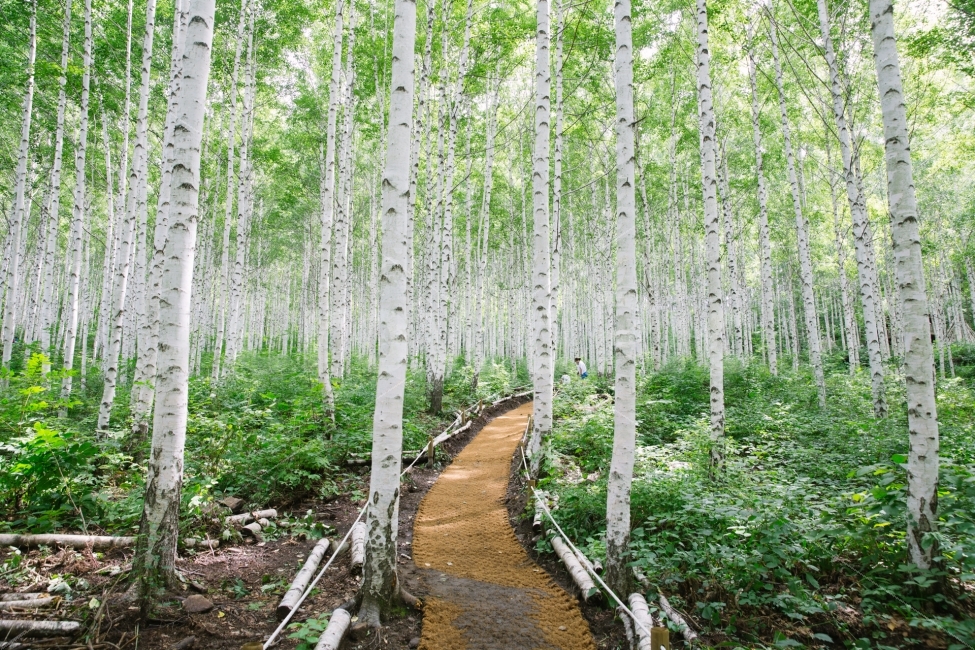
(339, 546)
(587, 565)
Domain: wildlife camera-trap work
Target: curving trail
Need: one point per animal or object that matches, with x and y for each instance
(484, 592)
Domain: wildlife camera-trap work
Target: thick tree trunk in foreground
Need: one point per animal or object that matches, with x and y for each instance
(379, 583)
(155, 561)
(541, 288)
(627, 323)
(712, 224)
(922, 416)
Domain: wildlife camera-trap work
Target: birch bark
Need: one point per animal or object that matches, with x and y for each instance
(802, 231)
(78, 215)
(765, 248)
(326, 193)
(627, 323)
(155, 559)
(134, 204)
(541, 272)
(858, 210)
(712, 222)
(19, 212)
(379, 583)
(922, 415)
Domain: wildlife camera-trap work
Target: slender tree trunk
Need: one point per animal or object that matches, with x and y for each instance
(78, 215)
(144, 389)
(135, 203)
(712, 222)
(765, 248)
(627, 322)
(379, 582)
(155, 559)
(922, 415)
(858, 210)
(802, 232)
(20, 214)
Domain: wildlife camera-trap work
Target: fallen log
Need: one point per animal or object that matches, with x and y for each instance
(209, 544)
(358, 540)
(27, 595)
(254, 530)
(576, 570)
(627, 627)
(43, 601)
(96, 542)
(643, 621)
(539, 520)
(685, 629)
(338, 625)
(13, 646)
(40, 628)
(247, 517)
(302, 578)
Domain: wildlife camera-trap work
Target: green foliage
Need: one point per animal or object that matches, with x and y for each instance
(807, 522)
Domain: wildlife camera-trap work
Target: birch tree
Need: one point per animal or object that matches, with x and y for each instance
(858, 209)
(806, 279)
(379, 582)
(155, 559)
(19, 213)
(922, 415)
(135, 204)
(712, 225)
(541, 289)
(627, 323)
(78, 215)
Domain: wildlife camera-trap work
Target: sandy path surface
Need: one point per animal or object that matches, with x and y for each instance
(484, 592)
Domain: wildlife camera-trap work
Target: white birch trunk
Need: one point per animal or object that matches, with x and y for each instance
(802, 232)
(541, 273)
(135, 203)
(627, 323)
(858, 210)
(20, 214)
(765, 247)
(144, 389)
(922, 417)
(379, 582)
(712, 223)
(156, 553)
(78, 214)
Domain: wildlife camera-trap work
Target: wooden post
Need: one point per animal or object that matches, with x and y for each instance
(430, 451)
(659, 638)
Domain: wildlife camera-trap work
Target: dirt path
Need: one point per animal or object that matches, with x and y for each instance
(484, 592)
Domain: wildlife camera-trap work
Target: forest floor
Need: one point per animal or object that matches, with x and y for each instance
(244, 582)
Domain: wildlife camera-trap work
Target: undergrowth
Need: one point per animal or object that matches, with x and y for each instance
(261, 433)
(800, 542)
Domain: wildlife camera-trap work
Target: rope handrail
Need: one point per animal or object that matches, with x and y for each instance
(587, 565)
(338, 549)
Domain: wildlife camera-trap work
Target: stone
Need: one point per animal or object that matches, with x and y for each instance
(197, 604)
(235, 504)
(186, 644)
(415, 642)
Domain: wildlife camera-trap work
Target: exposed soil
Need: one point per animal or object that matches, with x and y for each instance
(482, 590)
(244, 582)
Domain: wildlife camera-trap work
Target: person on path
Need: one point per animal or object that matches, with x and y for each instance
(581, 367)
